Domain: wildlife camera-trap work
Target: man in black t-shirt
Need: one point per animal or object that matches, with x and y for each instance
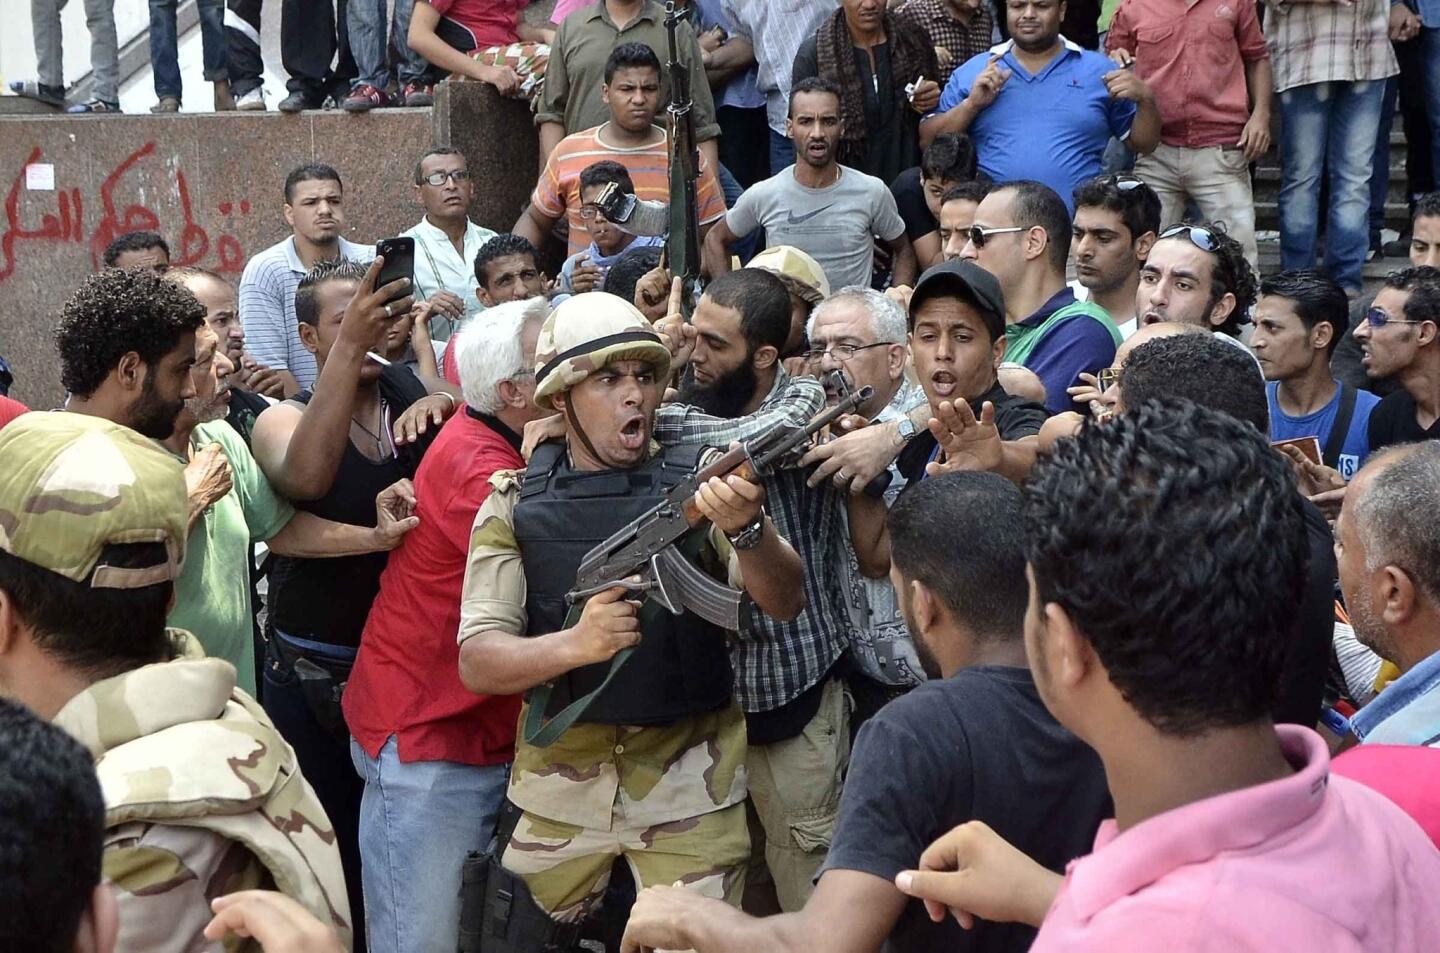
(947, 162)
(1397, 337)
(974, 743)
(957, 341)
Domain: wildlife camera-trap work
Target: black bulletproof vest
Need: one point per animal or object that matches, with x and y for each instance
(682, 665)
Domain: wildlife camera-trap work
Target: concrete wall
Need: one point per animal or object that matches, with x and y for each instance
(212, 185)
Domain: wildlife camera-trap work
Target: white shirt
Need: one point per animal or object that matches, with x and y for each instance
(438, 267)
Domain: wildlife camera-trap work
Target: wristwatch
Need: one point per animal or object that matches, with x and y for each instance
(905, 427)
(750, 534)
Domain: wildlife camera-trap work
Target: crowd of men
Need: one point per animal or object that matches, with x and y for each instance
(988, 557)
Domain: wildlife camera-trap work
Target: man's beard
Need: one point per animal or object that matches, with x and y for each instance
(208, 409)
(727, 396)
(152, 416)
(1369, 628)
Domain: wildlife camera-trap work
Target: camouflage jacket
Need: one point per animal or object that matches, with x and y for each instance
(202, 798)
(595, 775)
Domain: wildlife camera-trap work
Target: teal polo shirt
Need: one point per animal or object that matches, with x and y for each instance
(1051, 126)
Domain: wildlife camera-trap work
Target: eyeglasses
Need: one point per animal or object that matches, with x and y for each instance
(1107, 377)
(841, 352)
(1202, 238)
(589, 213)
(438, 179)
(979, 234)
(1379, 317)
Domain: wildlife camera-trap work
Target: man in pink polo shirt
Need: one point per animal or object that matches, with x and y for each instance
(1166, 557)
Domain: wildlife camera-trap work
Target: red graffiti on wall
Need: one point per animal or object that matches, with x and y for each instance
(192, 245)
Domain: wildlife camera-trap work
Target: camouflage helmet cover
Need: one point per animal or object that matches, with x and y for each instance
(588, 332)
(799, 272)
(72, 484)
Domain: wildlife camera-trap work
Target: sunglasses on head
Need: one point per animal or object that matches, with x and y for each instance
(1199, 236)
(1107, 377)
(1379, 317)
(1126, 183)
(979, 234)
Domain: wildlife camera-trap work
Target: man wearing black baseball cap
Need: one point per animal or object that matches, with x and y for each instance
(957, 341)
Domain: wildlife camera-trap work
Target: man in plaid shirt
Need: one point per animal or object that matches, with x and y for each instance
(959, 29)
(1331, 61)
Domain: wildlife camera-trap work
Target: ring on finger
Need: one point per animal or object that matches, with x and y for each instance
(388, 312)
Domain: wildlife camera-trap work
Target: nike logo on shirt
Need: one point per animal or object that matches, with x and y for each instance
(801, 219)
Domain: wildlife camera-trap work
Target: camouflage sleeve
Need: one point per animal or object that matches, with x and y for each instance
(493, 596)
(164, 878)
(725, 553)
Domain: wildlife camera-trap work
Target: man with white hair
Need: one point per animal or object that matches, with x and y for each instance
(857, 336)
(1391, 582)
(435, 757)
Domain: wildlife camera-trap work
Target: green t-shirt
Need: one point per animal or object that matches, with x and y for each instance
(212, 595)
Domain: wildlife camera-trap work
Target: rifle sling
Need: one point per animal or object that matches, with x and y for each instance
(541, 733)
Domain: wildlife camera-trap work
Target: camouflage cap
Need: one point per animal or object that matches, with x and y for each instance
(587, 332)
(802, 275)
(72, 484)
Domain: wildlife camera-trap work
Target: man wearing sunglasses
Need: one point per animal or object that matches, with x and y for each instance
(446, 241)
(1021, 236)
(1197, 274)
(1398, 338)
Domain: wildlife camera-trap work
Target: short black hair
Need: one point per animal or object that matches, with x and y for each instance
(95, 630)
(812, 84)
(950, 158)
(629, 268)
(311, 172)
(972, 191)
(1231, 274)
(1137, 204)
(603, 173)
(133, 241)
(1427, 206)
(762, 301)
(502, 246)
(52, 823)
(1199, 368)
(117, 311)
(307, 295)
(1174, 538)
(959, 535)
(1423, 283)
(1316, 297)
(1038, 204)
(631, 56)
(435, 151)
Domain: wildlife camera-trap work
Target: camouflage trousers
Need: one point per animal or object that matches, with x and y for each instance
(528, 60)
(567, 867)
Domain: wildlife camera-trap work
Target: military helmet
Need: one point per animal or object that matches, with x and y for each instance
(587, 332)
(800, 273)
(72, 484)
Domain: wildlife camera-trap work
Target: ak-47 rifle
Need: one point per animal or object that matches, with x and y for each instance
(682, 245)
(642, 556)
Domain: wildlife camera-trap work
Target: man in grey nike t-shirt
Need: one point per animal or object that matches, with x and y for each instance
(817, 205)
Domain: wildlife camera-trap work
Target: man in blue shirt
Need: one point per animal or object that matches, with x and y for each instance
(1021, 236)
(1040, 107)
(1299, 320)
(1391, 582)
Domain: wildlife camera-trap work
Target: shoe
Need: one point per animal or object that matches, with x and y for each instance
(419, 94)
(93, 106)
(30, 89)
(253, 101)
(167, 104)
(224, 99)
(364, 98)
(297, 101)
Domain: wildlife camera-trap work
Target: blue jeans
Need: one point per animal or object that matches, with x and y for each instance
(1334, 125)
(418, 820)
(366, 19)
(164, 55)
(782, 152)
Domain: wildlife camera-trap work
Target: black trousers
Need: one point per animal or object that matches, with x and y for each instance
(744, 143)
(242, 45)
(311, 32)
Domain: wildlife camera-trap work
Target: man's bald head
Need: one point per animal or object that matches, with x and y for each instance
(1151, 332)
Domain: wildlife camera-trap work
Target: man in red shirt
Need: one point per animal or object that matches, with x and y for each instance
(10, 409)
(434, 756)
(487, 40)
(1207, 62)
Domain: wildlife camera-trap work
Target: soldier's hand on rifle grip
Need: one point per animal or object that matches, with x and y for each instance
(608, 623)
(731, 503)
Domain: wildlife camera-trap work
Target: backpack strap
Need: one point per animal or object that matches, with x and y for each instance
(1340, 429)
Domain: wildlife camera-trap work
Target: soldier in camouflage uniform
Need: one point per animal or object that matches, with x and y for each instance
(654, 769)
(202, 795)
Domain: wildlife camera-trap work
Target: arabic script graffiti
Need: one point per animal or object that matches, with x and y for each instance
(191, 244)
